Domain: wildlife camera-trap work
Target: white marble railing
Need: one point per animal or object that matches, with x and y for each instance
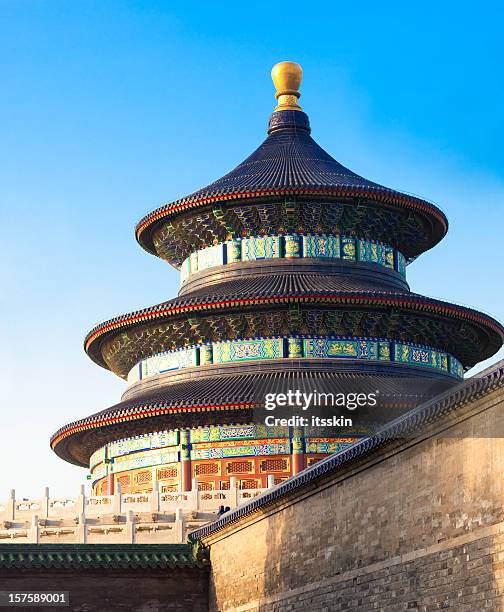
(121, 518)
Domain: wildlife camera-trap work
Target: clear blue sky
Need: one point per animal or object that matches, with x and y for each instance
(109, 109)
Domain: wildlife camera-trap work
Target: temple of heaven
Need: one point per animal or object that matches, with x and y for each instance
(292, 267)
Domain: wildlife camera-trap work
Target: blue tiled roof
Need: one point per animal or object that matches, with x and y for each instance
(289, 157)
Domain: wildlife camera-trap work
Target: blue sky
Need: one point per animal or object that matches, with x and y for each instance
(110, 109)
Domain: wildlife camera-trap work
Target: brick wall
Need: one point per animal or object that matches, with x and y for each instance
(99, 590)
(419, 527)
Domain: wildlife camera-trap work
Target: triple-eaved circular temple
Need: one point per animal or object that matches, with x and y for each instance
(292, 267)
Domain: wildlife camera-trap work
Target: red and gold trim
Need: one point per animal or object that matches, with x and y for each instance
(174, 208)
(348, 299)
(143, 413)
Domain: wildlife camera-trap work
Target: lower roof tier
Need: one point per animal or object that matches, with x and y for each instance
(231, 394)
(294, 306)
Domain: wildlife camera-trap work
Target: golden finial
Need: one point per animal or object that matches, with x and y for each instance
(287, 79)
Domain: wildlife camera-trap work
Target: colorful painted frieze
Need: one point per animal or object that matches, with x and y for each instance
(292, 246)
(216, 433)
(205, 354)
(383, 350)
(294, 348)
(99, 471)
(234, 433)
(185, 270)
(401, 263)
(456, 368)
(352, 349)
(233, 251)
(171, 360)
(241, 451)
(262, 247)
(276, 348)
(236, 443)
(321, 246)
(247, 350)
(389, 258)
(162, 439)
(97, 457)
(144, 442)
(348, 250)
(415, 355)
(372, 252)
(210, 257)
(326, 446)
(265, 431)
(212, 433)
(141, 460)
(193, 262)
(129, 445)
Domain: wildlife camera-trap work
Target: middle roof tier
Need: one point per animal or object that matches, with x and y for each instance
(293, 305)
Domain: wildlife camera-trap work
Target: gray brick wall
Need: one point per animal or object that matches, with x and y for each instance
(121, 590)
(414, 529)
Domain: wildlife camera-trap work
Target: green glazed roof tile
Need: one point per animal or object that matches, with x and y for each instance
(125, 556)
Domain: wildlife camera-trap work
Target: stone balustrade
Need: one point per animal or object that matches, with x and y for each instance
(121, 518)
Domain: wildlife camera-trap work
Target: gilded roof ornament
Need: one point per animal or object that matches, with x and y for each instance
(287, 79)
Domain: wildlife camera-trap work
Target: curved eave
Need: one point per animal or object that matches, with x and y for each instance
(228, 396)
(407, 301)
(144, 411)
(145, 228)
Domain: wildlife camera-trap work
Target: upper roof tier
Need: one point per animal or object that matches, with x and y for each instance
(289, 170)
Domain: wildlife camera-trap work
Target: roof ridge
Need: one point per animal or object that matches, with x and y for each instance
(99, 556)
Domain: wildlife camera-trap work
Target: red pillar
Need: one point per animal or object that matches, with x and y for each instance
(298, 463)
(185, 460)
(298, 454)
(110, 479)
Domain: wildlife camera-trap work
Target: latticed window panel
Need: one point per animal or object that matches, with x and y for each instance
(206, 486)
(104, 488)
(224, 485)
(250, 483)
(312, 460)
(125, 480)
(278, 479)
(169, 488)
(167, 472)
(240, 467)
(143, 477)
(274, 465)
(206, 469)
